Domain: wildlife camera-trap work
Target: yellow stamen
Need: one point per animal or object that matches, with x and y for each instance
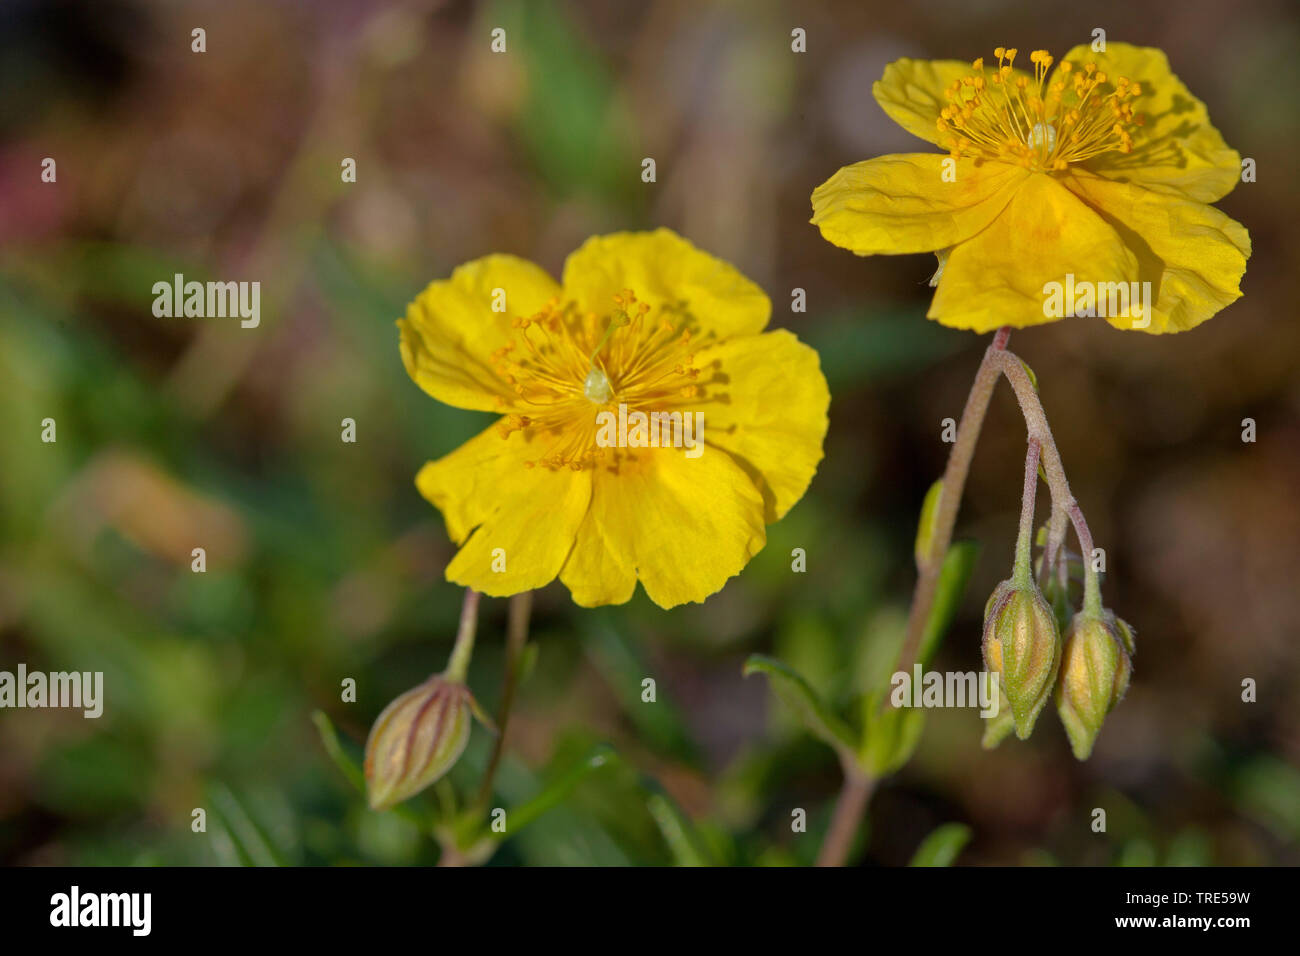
(1045, 122)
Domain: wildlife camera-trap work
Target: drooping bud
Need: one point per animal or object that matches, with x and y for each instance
(997, 728)
(1022, 645)
(417, 738)
(1095, 672)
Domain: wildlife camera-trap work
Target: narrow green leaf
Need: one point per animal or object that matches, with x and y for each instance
(250, 842)
(797, 694)
(941, 847)
(329, 739)
(958, 564)
(558, 789)
(889, 735)
(925, 527)
(677, 830)
(1033, 379)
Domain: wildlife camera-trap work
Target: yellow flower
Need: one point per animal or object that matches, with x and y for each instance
(642, 322)
(1099, 171)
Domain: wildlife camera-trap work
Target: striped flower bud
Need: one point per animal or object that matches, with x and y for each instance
(1095, 672)
(1022, 645)
(417, 738)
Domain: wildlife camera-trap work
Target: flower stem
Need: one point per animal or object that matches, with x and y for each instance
(1022, 570)
(521, 606)
(1062, 497)
(954, 481)
(1053, 562)
(849, 807)
(856, 790)
(857, 787)
(458, 665)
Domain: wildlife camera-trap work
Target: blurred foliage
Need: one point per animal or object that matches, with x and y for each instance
(224, 688)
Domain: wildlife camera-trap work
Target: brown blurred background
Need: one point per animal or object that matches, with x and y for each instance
(325, 564)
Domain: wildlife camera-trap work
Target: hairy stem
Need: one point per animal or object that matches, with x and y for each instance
(1022, 572)
(954, 481)
(1062, 497)
(858, 786)
(521, 606)
(458, 665)
(849, 807)
(1052, 553)
(856, 790)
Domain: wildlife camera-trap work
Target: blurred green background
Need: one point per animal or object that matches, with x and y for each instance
(325, 564)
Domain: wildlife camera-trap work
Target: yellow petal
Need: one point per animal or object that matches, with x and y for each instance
(911, 93)
(520, 522)
(601, 568)
(900, 204)
(1176, 151)
(998, 277)
(451, 330)
(1193, 255)
(684, 525)
(769, 412)
(662, 268)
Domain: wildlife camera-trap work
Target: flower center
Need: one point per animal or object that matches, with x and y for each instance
(1043, 123)
(596, 386)
(565, 366)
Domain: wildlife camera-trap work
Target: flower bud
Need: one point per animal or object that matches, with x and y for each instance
(1095, 672)
(998, 727)
(416, 739)
(1022, 645)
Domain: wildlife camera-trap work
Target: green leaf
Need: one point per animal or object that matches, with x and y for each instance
(943, 844)
(925, 527)
(798, 695)
(955, 574)
(678, 831)
(889, 735)
(554, 792)
(661, 727)
(1033, 379)
(237, 837)
(329, 739)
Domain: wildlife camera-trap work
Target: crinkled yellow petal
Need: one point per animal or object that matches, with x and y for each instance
(520, 522)
(901, 203)
(683, 525)
(998, 277)
(1177, 151)
(911, 93)
(765, 402)
(662, 268)
(1193, 255)
(451, 330)
(601, 568)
